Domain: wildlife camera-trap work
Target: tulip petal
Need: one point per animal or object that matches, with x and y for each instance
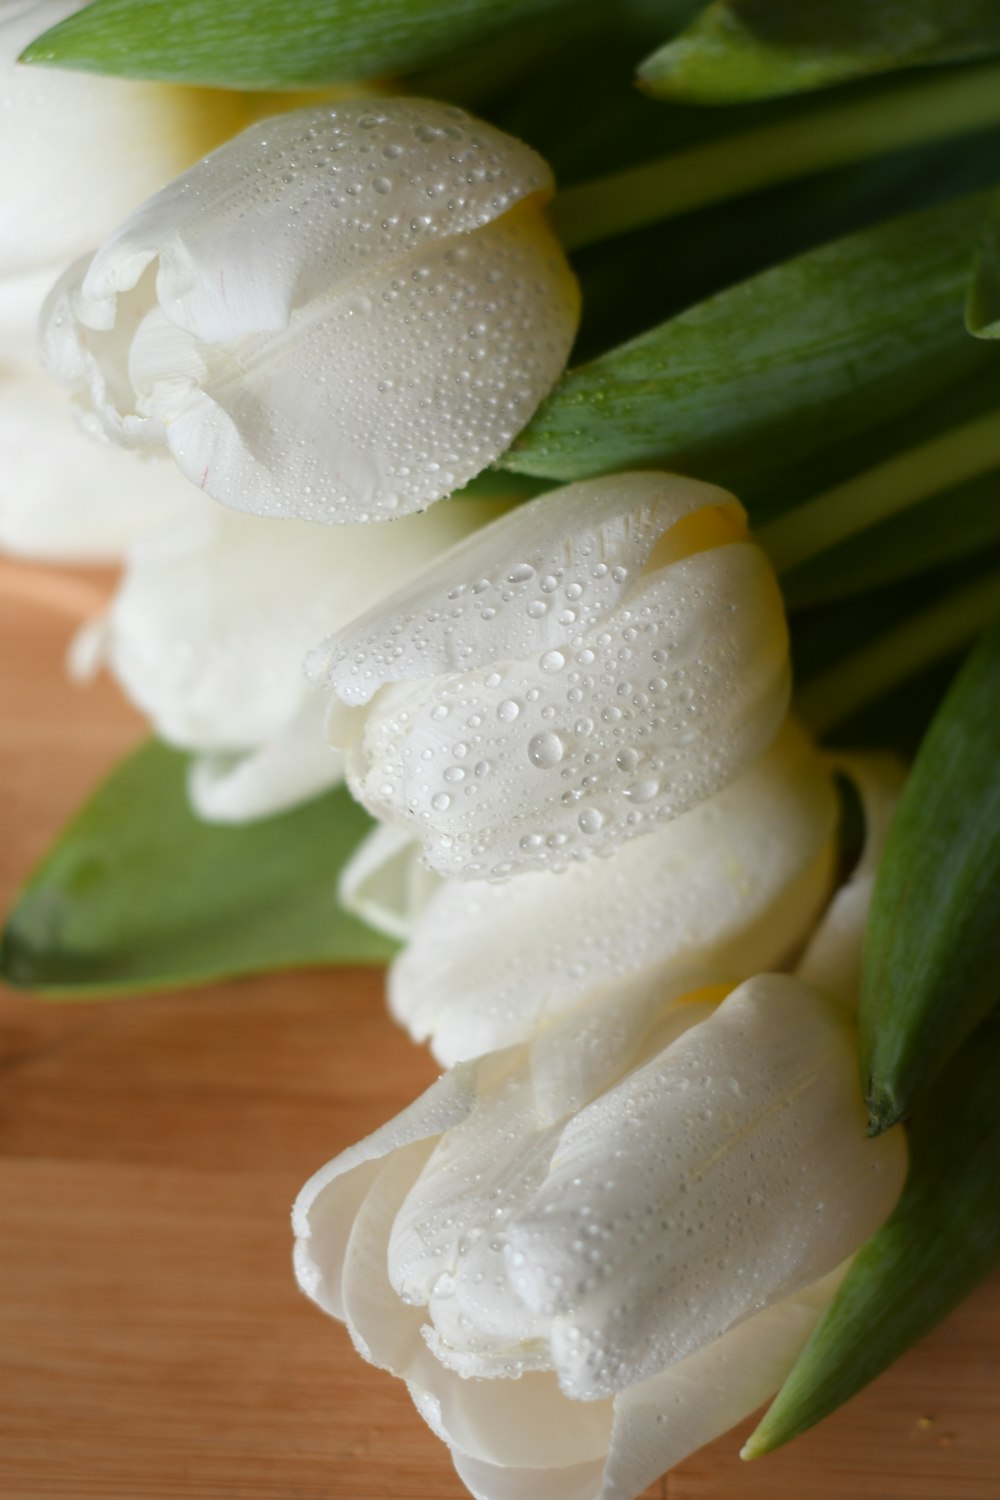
(446, 1250)
(578, 1058)
(327, 1205)
(87, 149)
(728, 1172)
(384, 1330)
(295, 765)
(386, 883)
(525, 1423)
(405, 387)
(365, 182)
(536, 579)
(660, 1422)
(538, 763)
(733, 884)
(832, 959)
(491, 1482)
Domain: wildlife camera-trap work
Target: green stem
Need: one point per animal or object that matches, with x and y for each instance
(885, 490)
(928, 637)
(814, 141)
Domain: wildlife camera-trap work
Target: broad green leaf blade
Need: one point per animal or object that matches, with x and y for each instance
(756, 49)
(932, 954)
(941, 1241)
(778, 369)
(138, 894)
(982, 303)
(271, 44)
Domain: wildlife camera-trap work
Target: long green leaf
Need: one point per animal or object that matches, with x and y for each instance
(941, 1241)
(982, 304)
(138, 894)
(271, 44)
(959, 522)
(755, 49)
(778, 369)
(933, 949)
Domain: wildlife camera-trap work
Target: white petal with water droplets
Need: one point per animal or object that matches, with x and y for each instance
(446, 1249)
(734, 883)
(660, 1422)
(536, 579)
(537, 763)
(342, 315)
(728, 1172)
(380, 398)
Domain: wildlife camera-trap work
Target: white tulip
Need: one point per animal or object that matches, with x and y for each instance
(77, 152)
(209, 627)
(342, 315)
(591, 665)
(591, 1255)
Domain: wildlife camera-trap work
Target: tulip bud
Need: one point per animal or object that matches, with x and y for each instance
(584, 669)
(210, 625)
(647, 1257)
(341, 315)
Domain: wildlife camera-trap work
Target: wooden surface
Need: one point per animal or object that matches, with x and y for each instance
(152, 1344)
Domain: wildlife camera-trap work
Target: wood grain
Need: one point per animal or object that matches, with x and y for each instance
(152, 1344)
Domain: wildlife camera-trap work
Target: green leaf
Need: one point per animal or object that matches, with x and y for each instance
(270, 44)
(957, 523)
(777, 370)
(138, 894)
(932, 953)
(941, 1241)
(982, 303)
(756, 49)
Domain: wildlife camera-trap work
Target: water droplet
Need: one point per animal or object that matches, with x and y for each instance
(441, 802)
(508, 710)
(643, 790)
(552, 661)
(591, 820)
(545, 750)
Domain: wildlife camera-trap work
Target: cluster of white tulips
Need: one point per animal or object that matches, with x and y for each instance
(603, 1236)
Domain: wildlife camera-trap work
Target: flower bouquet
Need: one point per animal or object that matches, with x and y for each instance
(551, 460)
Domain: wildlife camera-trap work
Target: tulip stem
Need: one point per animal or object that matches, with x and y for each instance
(814, 141)
(950, 623)
(952, 458)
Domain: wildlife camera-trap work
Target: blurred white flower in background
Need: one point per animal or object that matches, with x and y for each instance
(589, 666)
(209, 628)
(341, 315)
(77, 152)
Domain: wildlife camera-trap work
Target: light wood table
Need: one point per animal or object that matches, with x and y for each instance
(152, 1344)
